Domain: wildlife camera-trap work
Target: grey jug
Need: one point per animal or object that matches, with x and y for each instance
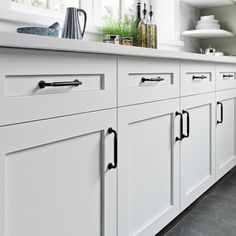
(72, 26)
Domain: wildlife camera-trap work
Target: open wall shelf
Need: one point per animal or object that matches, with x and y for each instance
(208, 3)
(207, 33)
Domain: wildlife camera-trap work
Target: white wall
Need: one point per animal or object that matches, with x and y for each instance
(169, 17)
(188, 19)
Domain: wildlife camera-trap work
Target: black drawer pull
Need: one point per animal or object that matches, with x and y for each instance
(181, 126)
(42, 84)
(188, 124)
(221, 113)
(158, 79)
(110, 165)
(199, 77)
(228, 76)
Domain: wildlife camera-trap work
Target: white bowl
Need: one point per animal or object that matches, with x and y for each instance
(208, 26)
(208, 22)
(211, 17)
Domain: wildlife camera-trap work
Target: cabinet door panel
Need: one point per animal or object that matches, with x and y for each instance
(198, 150)
(54, 177)
(225, 133)
(148, 168)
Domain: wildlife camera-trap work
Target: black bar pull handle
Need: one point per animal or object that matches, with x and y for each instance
(111, 165)
(199, 77)
(158, 79)
(181, 126)
(221, 113)
(228, 76)
(42, 84)
(188, 124)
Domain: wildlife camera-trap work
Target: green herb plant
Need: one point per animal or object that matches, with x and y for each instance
(124, 27)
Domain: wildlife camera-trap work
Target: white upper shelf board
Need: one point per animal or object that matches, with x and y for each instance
(207, 33)
(209, 3)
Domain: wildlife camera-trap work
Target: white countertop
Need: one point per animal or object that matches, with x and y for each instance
(14, 40)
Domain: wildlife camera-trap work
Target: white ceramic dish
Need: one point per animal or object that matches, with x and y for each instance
(210, 17)
(208, 26)
(208, 22)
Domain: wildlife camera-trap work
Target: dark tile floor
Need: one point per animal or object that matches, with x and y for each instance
(213, 214)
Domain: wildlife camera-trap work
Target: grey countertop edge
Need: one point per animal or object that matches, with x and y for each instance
(14, 40)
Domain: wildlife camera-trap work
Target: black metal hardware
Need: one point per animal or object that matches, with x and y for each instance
(110, 165)
(181, 126)
(221, 113)
(158, 79)
(42, 84)
(228, 76)
(188, 124)
(199, 77)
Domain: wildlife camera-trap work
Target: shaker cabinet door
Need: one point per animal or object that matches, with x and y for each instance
(148, 173)
(54, 178)
(197, 147)
(225, 132)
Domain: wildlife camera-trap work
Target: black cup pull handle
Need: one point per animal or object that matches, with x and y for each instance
(221, 113)
(158, 79)
(181, 126)
(188, 124)
(42, 84)
(114, 165)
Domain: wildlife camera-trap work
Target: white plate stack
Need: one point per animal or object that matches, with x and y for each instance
(207, 22)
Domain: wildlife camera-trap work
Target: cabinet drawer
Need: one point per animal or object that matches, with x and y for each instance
(197, 77)
(21, 98)
(225, 77)
(145, 80)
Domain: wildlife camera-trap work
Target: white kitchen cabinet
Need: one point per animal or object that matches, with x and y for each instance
(146, 80)
(54, 177)
(56, 145)
(225, 76)
(198, 147)
(225, 132)
(148, 173)
(197, 78)
(22, 100)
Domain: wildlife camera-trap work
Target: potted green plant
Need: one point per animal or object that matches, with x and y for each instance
(111, 28)
(129, 29)
(115, 29)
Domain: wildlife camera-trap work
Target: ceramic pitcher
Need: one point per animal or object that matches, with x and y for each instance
(72, 26)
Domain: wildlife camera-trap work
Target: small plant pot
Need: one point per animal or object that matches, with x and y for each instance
(113, 39)
(128, 41)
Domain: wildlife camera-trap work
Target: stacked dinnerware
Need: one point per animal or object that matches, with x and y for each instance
(207, 22)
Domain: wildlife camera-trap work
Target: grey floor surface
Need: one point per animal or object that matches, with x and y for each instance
(213, 214)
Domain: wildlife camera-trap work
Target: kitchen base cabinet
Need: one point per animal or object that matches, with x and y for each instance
(148, 172)
(197, 147)
(225, 132)
(54, 178)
